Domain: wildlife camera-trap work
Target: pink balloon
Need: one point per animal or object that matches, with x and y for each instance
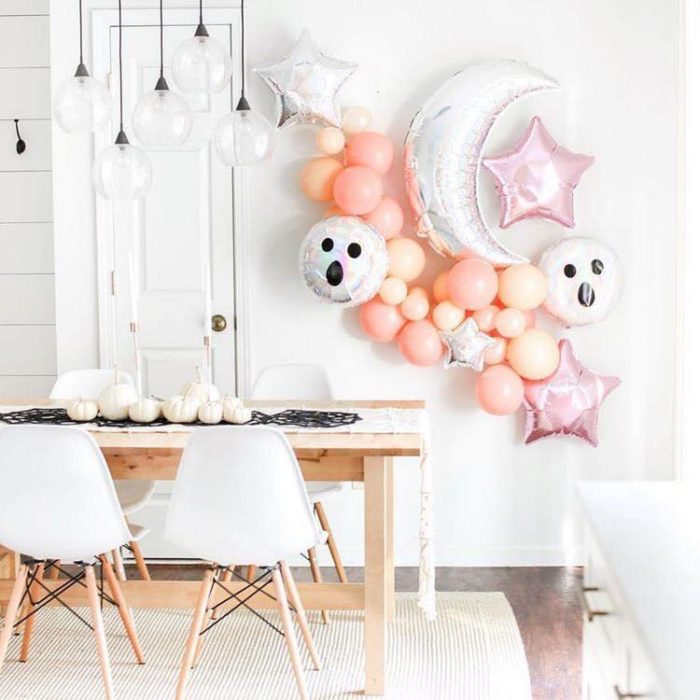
(370, 149)
(472, 283)
(380, 321)
(420, 343)
(530, 318)
(387, 218)
(357, 190)
(486, 318)
(499, 390)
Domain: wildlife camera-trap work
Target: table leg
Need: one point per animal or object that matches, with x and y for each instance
(390, 572)
(376, 572)
(9, 566)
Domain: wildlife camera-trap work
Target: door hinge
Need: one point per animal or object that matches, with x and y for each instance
(114, 282)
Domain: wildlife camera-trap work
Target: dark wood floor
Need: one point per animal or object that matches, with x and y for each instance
(543, 599)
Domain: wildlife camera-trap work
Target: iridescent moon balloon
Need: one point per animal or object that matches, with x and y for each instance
(443, 152)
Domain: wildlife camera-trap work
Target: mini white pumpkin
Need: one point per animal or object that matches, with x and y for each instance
(82, 410)
(238, 415)
(230, 403)
(115, 399)
(180, 409)
(145, 410)
(200, 390)
(211, 412)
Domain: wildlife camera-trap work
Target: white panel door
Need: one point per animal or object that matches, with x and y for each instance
(183, 225)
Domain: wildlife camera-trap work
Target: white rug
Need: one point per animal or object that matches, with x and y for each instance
(473, 651)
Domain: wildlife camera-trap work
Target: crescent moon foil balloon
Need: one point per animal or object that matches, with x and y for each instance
(443, 152)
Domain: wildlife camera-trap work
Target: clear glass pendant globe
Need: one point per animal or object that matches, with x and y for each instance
(82, 104)
(244, 138)
(201, 64)
(122, 171)
(162, 119)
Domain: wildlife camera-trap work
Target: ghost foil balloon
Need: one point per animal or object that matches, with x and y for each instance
(343, 260)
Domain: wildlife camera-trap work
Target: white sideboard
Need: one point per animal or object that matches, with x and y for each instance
(641, 591)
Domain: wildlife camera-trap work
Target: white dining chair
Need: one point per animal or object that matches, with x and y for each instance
(133, 494)
(239, 496)
(305, 382)
(58, 505)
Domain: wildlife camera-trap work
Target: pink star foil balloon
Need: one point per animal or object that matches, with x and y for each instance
(568, 402)
(537, 177)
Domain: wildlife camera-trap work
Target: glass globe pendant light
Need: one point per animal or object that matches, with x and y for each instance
(201, 64)
(162, 119)
(81, 103)
(244, 137)
(122, 171)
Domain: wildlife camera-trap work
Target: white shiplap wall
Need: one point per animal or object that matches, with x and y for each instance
(27, 314)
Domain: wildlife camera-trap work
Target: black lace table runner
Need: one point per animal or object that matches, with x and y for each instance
(291, 417)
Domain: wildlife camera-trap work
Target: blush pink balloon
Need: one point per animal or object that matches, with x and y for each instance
(486, 318)
(420, 343)
(387, 218)
(370, 149)
(357, 190)
(496, 353)
(472, 283)
(499, 390)
(415, 307)
(380, 321)
(530, 318)
(510, 323)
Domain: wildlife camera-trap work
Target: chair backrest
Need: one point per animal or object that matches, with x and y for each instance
(239, 497)
(293, 381)
(57, 499)
(85, 383)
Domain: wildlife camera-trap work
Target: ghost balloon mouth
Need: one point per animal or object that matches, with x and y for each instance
(334, 273)
(586, 295)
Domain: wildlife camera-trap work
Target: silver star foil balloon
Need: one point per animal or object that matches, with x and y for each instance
(306, 84)
(466, 345)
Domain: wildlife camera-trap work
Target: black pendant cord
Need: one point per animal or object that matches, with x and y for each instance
(162, 83)
(121, 136)
(201, 18)
(80, 15)
(243, 102)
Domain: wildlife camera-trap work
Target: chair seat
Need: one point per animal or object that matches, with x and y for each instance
(138, 532)
(319, 490)
(134, 495)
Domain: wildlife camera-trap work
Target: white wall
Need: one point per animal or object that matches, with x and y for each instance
(497, 501)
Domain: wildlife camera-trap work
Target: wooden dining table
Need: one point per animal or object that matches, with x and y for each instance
(323, 456)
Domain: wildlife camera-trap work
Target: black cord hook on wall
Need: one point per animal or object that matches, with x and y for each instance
(21, 145)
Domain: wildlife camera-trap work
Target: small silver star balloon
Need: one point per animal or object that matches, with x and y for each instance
(306, 84)
(466, 345)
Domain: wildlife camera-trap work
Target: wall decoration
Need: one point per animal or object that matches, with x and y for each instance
(584, 280)
(20, 146)
(443, 151)
(306, 84)
(537, 177)
(567, 403)
(466, 345)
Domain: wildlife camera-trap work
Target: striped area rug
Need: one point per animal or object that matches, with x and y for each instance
(472, 652)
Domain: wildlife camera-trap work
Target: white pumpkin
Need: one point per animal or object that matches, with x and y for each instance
(82, 410)
(115, 399)
(145, 410)
(231, 403)
(200, 390)
(211, 412)
(238, 415)
(180, 409)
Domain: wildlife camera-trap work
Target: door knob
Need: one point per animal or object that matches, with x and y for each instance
(218, 323)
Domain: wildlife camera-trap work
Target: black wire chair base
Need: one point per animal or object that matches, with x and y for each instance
(297, 418)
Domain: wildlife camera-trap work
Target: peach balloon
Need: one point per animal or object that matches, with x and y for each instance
(406, 258)
(387, 218)
(440, 291)
(499, 390)
(393, 291)
(447, 316)
(380, 321)
(415, 307)
(522, 287)
(510, 323)
(530, 318)
(472, 283)
(533, 355)
(334, 211)
(486, 318)
(330, 140)
(357, 190)
(356, 119)
(372, 150)
(318, 176)
(420, 343)
(496, 353)
(420, 290)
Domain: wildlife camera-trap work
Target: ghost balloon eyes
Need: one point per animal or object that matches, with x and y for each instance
(570, 270)
(597, 266)
(354, 250)
(327, 245)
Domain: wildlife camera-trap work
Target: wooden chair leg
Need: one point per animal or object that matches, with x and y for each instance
(250, 573)
(98, 625)
(53, 571)
(198, 615)
(118, 564)
(289, 637)
(122, 607)
(140, 561)
(11, 611)
(35, 592)
(323, 519)
(297, 604)
(226, 578)
(316, 575)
